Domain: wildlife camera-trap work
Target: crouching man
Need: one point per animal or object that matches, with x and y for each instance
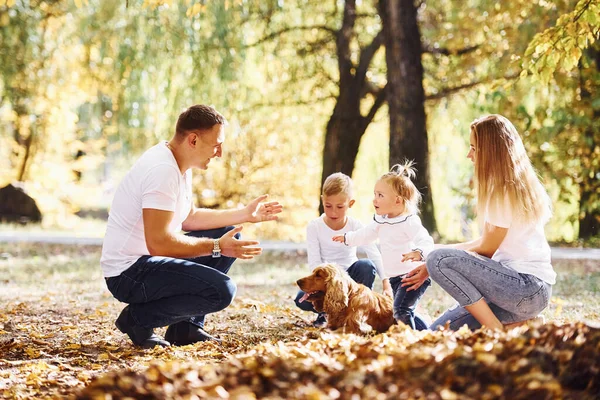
(168, 278)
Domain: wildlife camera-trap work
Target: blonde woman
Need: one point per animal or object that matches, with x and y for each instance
(505, 276)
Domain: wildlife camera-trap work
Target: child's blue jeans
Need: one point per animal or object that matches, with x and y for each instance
(162, 291)
(362, 271)
(405, 302)
(469, 277)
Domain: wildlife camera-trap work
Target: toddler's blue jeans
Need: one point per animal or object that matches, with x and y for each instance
(405, 302)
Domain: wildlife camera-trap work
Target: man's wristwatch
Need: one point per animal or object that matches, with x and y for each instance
(216, 253)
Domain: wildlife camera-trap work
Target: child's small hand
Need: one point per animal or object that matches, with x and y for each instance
(414, 255)
(338, 238)
(387, 288)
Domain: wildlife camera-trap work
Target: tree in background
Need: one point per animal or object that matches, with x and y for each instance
(589, 155)
(40, 90)
(565, 59)
(406, 96)
(300, 81)
(347, 123)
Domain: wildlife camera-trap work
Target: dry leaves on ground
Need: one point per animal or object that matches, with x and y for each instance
(58, 340)
(548, 362)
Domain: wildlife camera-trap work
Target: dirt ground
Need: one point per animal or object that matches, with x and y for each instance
(57, 321)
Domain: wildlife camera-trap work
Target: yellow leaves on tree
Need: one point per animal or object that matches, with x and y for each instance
(561, 46)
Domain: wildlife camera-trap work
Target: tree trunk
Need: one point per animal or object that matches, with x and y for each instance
(347, 125)
(27, 143)
(406, 96)
(342, 138)
(589, 186)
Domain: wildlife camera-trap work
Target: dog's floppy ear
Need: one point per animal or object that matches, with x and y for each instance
(336, 297)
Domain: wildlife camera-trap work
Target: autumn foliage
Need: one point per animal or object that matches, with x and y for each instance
(58, 340)
(545, 362)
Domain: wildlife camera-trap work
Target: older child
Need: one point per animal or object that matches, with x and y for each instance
(399, 230)
(505, 276)
(337, 199)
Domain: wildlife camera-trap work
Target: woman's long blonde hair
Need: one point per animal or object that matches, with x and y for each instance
(503, 171)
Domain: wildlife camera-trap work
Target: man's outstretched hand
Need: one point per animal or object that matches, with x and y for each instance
(260, 211)
(243, 249)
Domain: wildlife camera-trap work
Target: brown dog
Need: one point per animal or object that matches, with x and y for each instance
(349, 306)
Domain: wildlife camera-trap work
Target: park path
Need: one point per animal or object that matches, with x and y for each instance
(558, 253)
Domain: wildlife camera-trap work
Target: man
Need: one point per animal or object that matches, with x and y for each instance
(166, 277)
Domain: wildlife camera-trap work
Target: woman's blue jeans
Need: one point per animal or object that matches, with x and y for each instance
(162, 291)
(362, 271)
(469, 277)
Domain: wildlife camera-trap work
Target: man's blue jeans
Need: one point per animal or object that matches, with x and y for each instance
(362, 271)
(162, 291)
(468, 278)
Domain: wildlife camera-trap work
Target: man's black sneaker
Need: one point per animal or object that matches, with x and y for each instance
(321, 321)
(142, 337)
(184, 333)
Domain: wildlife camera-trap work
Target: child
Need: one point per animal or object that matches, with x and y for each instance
(337, 199)
(399, 230)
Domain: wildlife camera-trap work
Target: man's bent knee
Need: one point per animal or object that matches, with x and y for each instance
(227, 293)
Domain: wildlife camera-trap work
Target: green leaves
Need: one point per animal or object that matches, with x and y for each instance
(560, 47)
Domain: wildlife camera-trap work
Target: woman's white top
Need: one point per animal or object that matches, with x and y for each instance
(525, 248)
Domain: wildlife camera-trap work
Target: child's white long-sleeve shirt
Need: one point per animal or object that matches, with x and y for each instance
(397, 236)
(322, 249)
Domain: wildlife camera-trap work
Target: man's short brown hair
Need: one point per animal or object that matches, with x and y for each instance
(198, 117)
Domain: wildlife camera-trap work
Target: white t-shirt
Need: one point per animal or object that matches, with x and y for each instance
(155, 182)
(397, 236)
(525, 248)
(322, 249)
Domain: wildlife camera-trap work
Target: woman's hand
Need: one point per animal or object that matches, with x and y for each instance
(415, 278)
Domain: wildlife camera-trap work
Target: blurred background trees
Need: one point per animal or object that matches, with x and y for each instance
(309, 88)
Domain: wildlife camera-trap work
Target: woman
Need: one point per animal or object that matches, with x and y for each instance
(505, 276)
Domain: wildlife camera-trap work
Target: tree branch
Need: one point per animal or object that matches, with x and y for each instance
(367, 15)
(293, 103)
(366, 56)
(288, 29)
(379, 100)
(449, 91)
(450, 52)
(343, 38)
(313, 47)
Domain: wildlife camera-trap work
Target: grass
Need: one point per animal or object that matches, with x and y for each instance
(56, 318)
